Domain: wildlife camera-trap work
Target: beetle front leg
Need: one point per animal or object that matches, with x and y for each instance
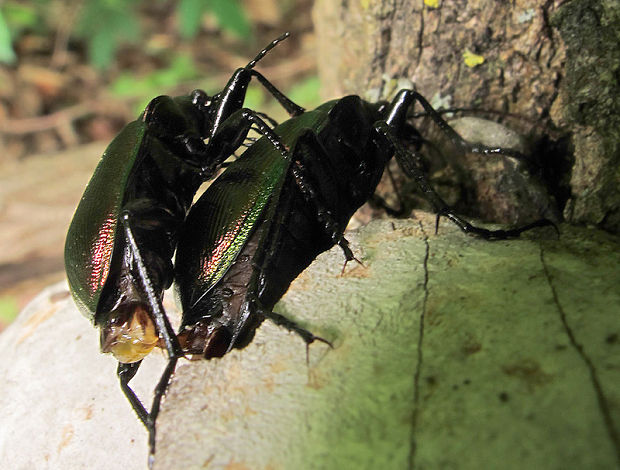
(398, 115)
(231, 135)
(232, 97)
(407, 161)
(233, 132)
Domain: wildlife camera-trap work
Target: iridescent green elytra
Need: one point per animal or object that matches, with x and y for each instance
(236, 200)
(90, 240)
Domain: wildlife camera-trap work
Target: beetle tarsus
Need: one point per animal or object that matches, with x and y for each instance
(500, 234)
(343, 243)
(160, 392)
(290, 325)
(125, 373)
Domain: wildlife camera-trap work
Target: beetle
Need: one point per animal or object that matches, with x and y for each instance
(273, 211)
(119, 246)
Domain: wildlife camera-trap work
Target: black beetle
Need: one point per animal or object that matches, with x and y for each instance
(123, 235)
(268, 216)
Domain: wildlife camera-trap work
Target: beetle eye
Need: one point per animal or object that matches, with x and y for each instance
(129, 336)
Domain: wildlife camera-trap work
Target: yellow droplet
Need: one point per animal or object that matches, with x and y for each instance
(131, 339)
(471, 59)
(365, 4)
(432, 3)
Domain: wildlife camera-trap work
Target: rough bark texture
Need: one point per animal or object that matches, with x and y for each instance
(521, 65)
(449, 352)
(588, 105)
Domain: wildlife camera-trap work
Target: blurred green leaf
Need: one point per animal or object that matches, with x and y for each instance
(101, 49)
(7, 55)
(254, 98)
(306, 92)
(231, 17)
(106, 24)
(229, 14)
(8, 309)
(19, 16)
(182, 68)
(190, 15)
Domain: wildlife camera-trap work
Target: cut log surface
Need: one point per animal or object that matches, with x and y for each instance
(449, 352)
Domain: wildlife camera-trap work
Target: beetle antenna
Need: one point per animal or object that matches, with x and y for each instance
(269, 46)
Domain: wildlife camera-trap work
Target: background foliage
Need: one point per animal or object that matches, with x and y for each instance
(104, 25)
(73, 72)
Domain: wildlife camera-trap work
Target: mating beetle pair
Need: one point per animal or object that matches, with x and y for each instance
(119, 248)
(288, 198)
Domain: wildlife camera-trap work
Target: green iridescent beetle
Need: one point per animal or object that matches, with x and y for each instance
(120, 244)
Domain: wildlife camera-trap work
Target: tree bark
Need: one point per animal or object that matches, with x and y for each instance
(544, 61)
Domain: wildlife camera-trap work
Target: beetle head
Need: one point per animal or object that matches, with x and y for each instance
(203, 103)
(129, 333)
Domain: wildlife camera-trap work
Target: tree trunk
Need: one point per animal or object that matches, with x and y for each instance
(554, 64)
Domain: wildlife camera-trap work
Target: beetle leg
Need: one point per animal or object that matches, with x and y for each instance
(267, 118)
(233, 132)
(405, 99)
(290, 325)
(291, 108)
(227, 137)
(193, 152)
(324, 215)
(492, 234)
(343, 243)
(310, 159)
(161, 320)
(125, 373)
(406, 161)
(233, 95)
(160, 391)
